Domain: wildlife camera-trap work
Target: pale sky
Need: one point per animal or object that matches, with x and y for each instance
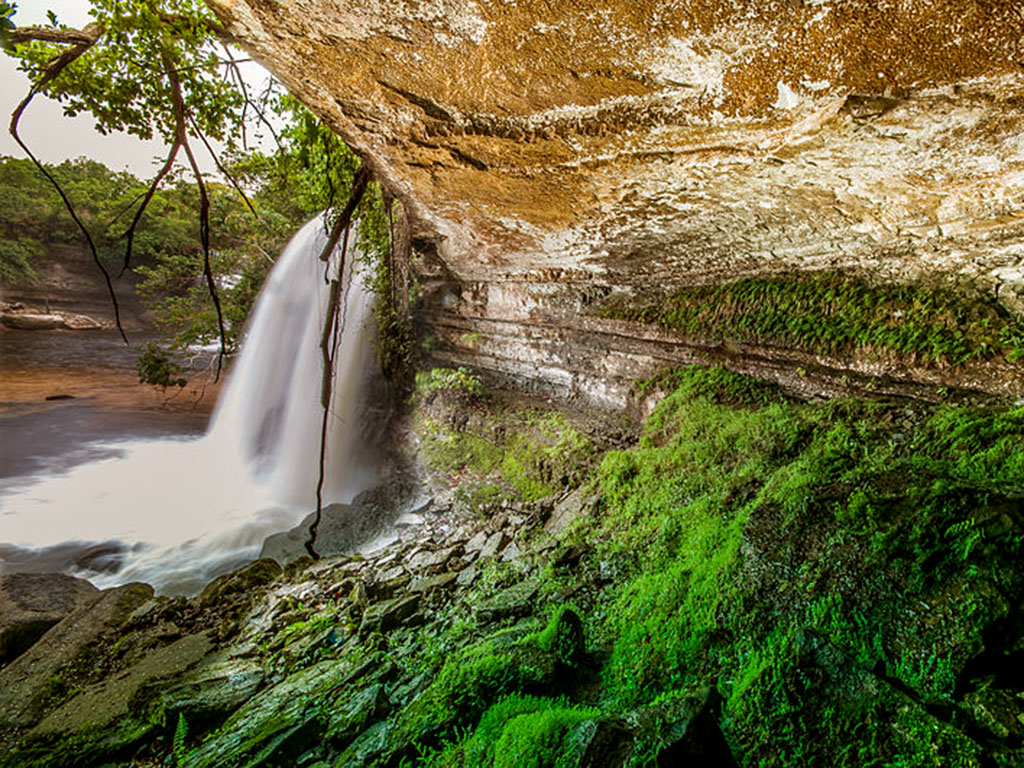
(54, 137)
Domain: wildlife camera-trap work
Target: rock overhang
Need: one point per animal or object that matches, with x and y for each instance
(549, 149)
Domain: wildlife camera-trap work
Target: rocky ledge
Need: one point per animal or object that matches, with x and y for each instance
(571, 173)
(751, 580)
(27, 318)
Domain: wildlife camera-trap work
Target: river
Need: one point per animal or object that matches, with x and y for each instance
(116, 481)
(70, 399)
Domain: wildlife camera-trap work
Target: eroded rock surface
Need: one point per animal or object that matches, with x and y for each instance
(553, 155)
(31, 603)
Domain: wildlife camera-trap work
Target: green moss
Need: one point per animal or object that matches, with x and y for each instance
(520, 732)
(458, 380)
(539, 739)
(742, 522)
(530, 454)
(89, 746)
(837, 313)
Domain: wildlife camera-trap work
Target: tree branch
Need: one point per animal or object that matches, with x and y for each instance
(328, 350)
(329, 337)
(86, 37)
(57, 65)
(227, 175)
(345, 217)
(181, 134)
(130, 232)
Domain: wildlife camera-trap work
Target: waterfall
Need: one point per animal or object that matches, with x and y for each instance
(270, 415)
(182, 511)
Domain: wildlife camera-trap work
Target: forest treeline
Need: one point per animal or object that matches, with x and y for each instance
(167, 248)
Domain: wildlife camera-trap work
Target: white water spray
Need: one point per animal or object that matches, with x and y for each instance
(189, 509)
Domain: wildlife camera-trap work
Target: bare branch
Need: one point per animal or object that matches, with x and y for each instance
(329, 337)
(227, 175)
(52, 71)
(181, 134)
(257, 108)
(328, 352)
(86, 37)
(164, 170)
(345, 217)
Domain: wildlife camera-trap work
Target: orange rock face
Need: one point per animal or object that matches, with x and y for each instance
(549, 148)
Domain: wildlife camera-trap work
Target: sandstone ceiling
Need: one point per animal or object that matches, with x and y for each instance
(644, 144)
(656, 139)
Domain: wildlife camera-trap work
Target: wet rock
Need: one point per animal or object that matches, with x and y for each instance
(467, 576)
(103, 705)
(510, 553)
(345, 528)
(24, 681)
(211, 691)
(31, 603)
(394, 581)
(494, 544)
(430, 583)
(240, 583)
(365, 750)
(514, 601)
(570, 508)
(277, 724)
(476, 543)
(409, 519)
(387, 615)
(427, 561)
(352, 713)
(359, 595)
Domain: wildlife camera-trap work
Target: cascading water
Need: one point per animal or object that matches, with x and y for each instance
(185, 510)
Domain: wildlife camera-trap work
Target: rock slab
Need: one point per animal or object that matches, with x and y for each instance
(31, 603)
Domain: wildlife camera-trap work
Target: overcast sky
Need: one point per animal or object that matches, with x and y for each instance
(54, 137)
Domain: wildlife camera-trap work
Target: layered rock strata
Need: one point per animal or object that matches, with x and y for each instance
(550, 155)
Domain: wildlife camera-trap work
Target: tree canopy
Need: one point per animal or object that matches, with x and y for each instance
(165, 69)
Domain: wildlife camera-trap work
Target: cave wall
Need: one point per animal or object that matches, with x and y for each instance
(554, 156)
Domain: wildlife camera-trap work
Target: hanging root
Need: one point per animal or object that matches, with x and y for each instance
(181, 137)
(82, 41)
(154, 185)
(333, 325)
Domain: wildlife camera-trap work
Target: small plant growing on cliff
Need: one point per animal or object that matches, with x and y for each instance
(156, 367)
(459, 380)
(180, 738)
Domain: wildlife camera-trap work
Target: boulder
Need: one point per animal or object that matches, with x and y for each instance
(211, 691)
(385, 616)
(31, 603)
(106, 705)
(354, 712)
(32, 321)
(25, 680)
(517, 600)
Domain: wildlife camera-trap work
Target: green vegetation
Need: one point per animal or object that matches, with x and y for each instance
(837, 313)
(167, 247)
(830, 583)
(526, 452)
(164, 68)
(797, 557)
(156, 367)
(457, 380)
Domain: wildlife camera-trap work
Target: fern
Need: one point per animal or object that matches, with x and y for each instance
(180, 736)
